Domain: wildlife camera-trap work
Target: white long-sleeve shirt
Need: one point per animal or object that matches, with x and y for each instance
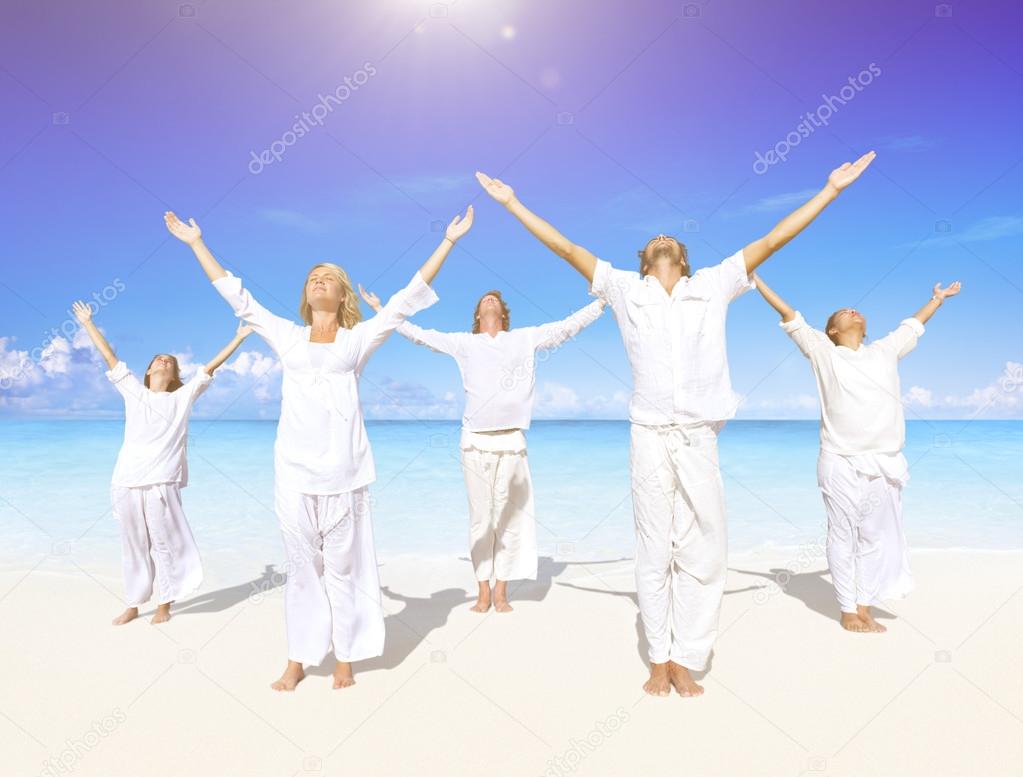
(321, 445)
(499, 372)
(155, 443)
(676, 342)
(860, 397)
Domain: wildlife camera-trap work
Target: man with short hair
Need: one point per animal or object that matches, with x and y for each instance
(673, 327)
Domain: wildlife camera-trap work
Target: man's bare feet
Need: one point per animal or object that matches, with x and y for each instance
(162, 614)
(683, 681)
(872, 625)
(292, 676)
(343, 675)
(501, 597)
(483, 598)
(852, 622)
(659, 683)
(128, 615)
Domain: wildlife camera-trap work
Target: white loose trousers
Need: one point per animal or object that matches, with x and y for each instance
(332, 594)
(681, 539)
(157, 543)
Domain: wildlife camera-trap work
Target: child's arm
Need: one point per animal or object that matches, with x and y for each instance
(83, 312)
(244, 330)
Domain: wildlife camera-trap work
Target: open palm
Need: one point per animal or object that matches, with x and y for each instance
(949, 291)
(83, 312)
(459, 225)
(371, 299)
(843, 176)
(186, 233)
(496, 188)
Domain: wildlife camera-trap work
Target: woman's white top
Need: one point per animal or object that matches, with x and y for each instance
(499, 371)
(860, 396)
(155, 430)
(321, 445)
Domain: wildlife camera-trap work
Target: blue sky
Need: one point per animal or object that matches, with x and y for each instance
(615, 121)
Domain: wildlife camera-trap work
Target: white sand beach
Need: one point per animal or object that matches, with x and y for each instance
(551, 689)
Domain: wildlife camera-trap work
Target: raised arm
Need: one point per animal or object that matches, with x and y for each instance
(243, 331)
(83, 312)
(939, 295)
(191, 235)
(456, 230)
(577, 256)
(757, 252)
(555, 333)
(441, 342)
(776, 302)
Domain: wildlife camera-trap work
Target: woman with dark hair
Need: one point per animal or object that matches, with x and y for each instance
(323, 464)
(498, 368)
(861, 470)
(152, 468)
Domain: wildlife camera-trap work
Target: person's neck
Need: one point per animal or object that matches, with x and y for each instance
(159, 382)
(490, 325)
(325, 322)
(851, 340)
(667, 273)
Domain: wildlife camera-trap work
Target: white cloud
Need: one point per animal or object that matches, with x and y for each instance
(1002, 398)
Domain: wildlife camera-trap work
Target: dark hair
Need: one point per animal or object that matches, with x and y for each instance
(505, 312)
(831, 322)
(175, 382)
(685, 255)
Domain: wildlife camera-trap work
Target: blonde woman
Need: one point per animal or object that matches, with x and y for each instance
(152, 468)
(322, 460)
(498, 368)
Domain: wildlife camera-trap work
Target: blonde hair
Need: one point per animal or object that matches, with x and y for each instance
(505, 312)
(175, 382)
(348, 313)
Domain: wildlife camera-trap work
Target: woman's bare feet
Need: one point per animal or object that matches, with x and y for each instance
(162, 614)
(659, 683)
(852, 622)
(683, 681)
(483, 598)
(128, 615)
(872, 625)
(501, 597)
(292, 676)
(343, 675)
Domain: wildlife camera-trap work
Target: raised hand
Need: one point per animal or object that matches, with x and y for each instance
(459, 225)
(371, 299)
(950, 291)
(496, 188)
(187, 233)
(82, 311)
(842, 176)
(243, 331)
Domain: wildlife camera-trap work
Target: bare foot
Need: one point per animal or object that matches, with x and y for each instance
(162, 613)
(852, 622)
(683, 681)
(659, 683)
(872, 625)
(343, 675)
(501, 597)
(128, 615)
(292, 676)
(483, 598)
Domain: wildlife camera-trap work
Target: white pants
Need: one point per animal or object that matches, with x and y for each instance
(681, 539)
(867, 551)
(156, 543)
(502, 526)
(332, 595)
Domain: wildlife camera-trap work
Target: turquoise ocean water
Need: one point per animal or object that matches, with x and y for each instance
(965, 488)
